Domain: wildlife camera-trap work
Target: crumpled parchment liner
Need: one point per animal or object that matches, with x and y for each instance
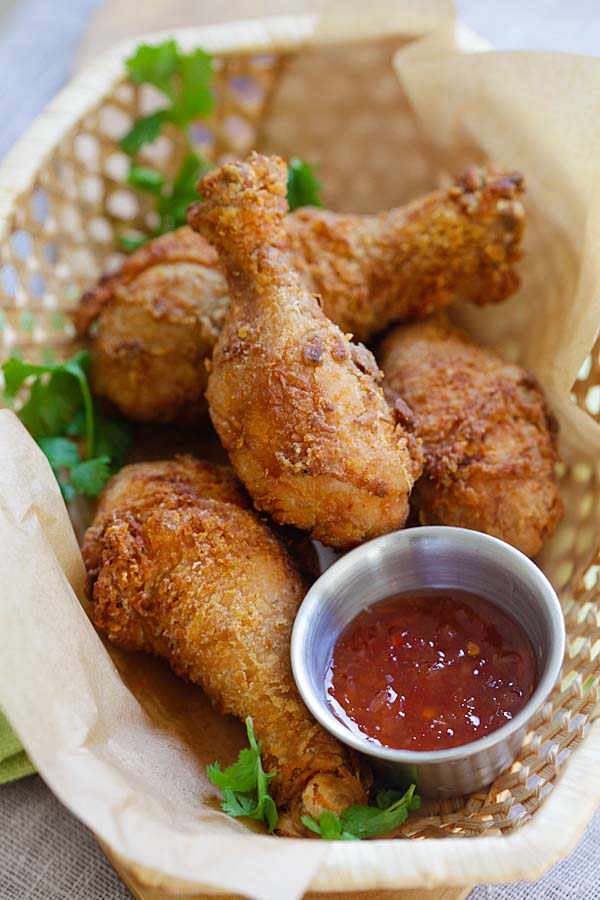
(533, 112)
(134, 780)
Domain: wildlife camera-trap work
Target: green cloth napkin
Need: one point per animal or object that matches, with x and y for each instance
(14, 762)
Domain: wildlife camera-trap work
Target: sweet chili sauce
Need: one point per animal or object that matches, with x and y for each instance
(430, 670)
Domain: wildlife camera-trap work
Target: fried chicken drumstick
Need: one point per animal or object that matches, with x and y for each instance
(180, 567)
(295, 403)
(488, 437)
(154, 323)
(454, 244)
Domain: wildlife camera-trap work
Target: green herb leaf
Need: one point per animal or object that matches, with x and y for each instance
(245, 785)
(89, 477)
(173, 205)
(358, 822)
(66, 489)
(185, 80)
(16, 372)
(145, 131)
(330, 825)
(311, 824)
(238, 804)
(113, 439)
(146, 179)
(154, 64)
(195, 98)
(304, 188)
(57, 391)
(59, 410)
(269, 813)
(365, 821)
(61, 452)
(240, 777)
(131, 242)
(387, 796)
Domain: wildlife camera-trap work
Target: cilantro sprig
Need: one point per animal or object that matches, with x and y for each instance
(245, 784)
(184, 80)
(358, 822)
(245, 789)
(83, 448)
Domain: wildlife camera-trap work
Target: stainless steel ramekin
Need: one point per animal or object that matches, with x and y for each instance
(414, 559)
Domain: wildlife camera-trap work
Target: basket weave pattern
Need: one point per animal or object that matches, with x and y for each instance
(60, 234)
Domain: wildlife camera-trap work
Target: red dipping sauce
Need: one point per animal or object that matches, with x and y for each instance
(430, 670)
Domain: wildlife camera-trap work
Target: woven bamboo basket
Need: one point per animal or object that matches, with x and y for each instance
(64, 201)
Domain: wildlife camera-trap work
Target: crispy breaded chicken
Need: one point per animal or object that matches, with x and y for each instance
(488, 437)
(180, 567)
(158, 318)
(455, 244)
(296, 404)
(152, 325)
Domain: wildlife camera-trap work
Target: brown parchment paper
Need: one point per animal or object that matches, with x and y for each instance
(536, 112)
(135, 776)
(117, 737)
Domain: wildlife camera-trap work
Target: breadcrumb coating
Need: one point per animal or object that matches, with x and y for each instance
(154, 323)
(456, 244)
(488, 437)
(296, 404)
(180, 567)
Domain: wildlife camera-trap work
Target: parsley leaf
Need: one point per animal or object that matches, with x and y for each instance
(61, 452)
(16, 371)
(195, 99)
(358, 822)
(173, 205)
(185, 80)
(387, 796)
(304, 188)
(146, 179)
(113, 439)
(172, 201)
(154, 64)
(131, 242)
(90, 476)
(145, 131)
(59, 414)
(52, 402)
(245, 784)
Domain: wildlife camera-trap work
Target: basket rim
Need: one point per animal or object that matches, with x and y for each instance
(527, 851)
(83, 93)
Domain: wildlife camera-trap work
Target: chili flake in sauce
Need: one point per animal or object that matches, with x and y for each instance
(430, 670)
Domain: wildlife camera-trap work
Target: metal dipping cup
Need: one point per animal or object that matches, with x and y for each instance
(416, 559)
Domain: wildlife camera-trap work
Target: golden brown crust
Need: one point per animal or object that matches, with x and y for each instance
(180, 246)
(154, 323)
(184, 474)
(488, 437)
(455, 244)
(153, 326)
(297, 406)
(178, 566)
